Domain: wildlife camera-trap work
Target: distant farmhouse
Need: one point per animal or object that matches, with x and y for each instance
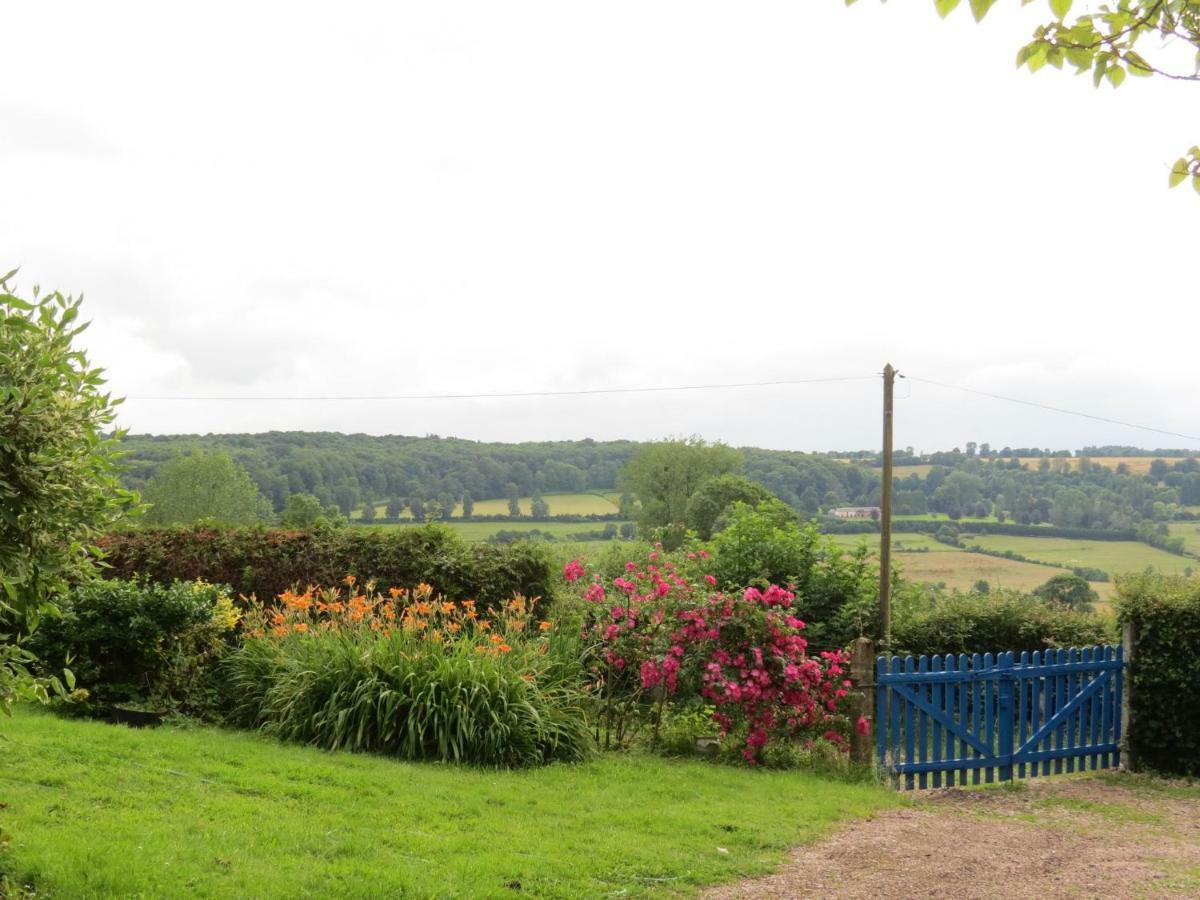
(855, 512)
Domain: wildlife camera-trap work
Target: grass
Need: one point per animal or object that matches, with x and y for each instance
(481, 531)
(1190, 532)
(602, 503)
(1113, 557)
(101, 811)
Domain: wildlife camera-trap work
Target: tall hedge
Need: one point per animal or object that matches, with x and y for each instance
(1164, 670)
(266, 562)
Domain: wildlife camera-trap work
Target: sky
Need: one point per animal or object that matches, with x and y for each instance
(382, 199)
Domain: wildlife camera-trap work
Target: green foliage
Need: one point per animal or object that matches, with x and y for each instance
(835, 588)
(122, 638)
(268, 562)
(305, 511)
(58, 486)
(204, 486)
(1070, 590)
(539, 508)
(933, 622)
(1164, 727)
(399, 691)
(664, 476)
(1106, 43)
(707, 510)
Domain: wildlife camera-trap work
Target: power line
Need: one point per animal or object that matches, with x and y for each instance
(509, 394)
(1057, 409)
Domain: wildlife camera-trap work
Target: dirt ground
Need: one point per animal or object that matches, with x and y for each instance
(1102, 835)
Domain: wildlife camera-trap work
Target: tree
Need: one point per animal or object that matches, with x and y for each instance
(58, 475)
(707, 509)
(1106, 43)
(1070, 590)
(395, 507)
(418, 509)
(514, 499)
(301, 511)
(539, 508)
(204, 485)
(468, 506)
(628, 530)
(664, 476)
(368, 512)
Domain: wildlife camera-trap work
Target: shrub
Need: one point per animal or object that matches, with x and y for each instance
(758, 549)
(412, 676)
(126, 640)
(267, 562)
(665, 633)
(1164, 727)
(1000, 620)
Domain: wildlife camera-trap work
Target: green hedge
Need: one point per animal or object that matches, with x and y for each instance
(266, 562)
(983, 623)
(1164, 671)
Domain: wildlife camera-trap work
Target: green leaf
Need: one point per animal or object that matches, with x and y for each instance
(979, 8)
(1196, 183)
(945, 7)
(1116, 75)
(1137, 65)
(1179, 172)
(1060, 7)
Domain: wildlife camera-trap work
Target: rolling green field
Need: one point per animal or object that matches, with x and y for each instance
(1190, 532)
(103, 811)
(600, 503)
(1114, 557)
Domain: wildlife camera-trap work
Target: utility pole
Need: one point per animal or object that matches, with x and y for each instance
(885, 513)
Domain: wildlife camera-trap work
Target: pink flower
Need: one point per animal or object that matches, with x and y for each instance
(573, 570)
(862, 726)
(711, 579)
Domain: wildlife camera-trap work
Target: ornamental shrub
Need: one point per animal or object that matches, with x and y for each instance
(128, 640)
(936, 622)
(664, 633)
(1164, 671)
(267, 562)
(412, 675)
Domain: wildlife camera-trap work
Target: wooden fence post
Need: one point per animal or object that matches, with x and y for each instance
(1128, 641)
(862, 673)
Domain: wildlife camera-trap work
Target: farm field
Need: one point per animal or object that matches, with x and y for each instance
(1113, 557)
(1190, 532)
(481, 531)
(602, 503)
(959, 569)
(1137, 465)
(100, 811)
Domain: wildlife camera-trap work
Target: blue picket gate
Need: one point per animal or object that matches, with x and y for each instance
(994, 718)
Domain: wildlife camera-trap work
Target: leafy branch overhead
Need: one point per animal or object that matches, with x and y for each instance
(1106, 43)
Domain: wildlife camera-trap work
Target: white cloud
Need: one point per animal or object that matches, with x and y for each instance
(284, 199)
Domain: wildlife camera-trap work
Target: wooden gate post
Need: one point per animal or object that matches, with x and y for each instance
(1128, 641)
(862, 673)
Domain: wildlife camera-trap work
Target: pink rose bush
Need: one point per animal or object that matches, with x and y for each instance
(662, 631)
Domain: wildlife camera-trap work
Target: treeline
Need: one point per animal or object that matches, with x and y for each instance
(348, 471)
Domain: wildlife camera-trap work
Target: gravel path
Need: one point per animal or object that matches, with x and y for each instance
(1091, 836)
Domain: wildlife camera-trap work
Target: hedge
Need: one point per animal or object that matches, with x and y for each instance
(266, 562)
(1164, 670)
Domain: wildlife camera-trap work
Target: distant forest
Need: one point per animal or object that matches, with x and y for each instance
(350, 470)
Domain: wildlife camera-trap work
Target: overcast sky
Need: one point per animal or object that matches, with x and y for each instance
(412, 198)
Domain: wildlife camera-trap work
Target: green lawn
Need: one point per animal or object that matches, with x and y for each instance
(97, 810)
(1113, 557)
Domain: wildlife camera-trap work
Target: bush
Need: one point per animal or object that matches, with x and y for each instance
(758, 549)
(411, 676)
(126, 640)
(1164, 727)
(1000, 620)
(266, 562)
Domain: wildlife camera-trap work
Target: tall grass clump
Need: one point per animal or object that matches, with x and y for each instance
(411, 675)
